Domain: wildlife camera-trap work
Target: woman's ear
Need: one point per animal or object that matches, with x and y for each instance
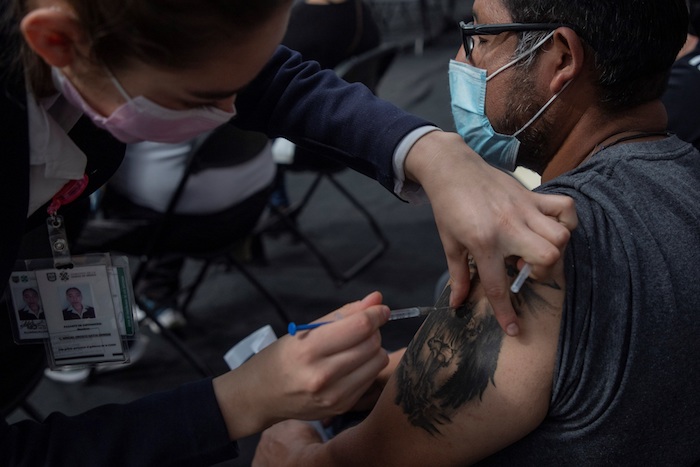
(53, 33)
(569, 58)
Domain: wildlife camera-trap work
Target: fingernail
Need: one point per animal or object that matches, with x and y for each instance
(512, 329)
(386, 311)
(453, 303)
(368, 295)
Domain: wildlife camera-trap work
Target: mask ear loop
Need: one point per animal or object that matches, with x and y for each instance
(516, 60)
(117, 85)
(541, 111)
(522, 55)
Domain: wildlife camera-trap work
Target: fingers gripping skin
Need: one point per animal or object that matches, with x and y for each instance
(312, 375)
(484, 212)
(288, 440)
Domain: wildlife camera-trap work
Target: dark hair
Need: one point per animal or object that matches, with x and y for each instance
(11, 50)
(164, 33)
(633, 43)
(694, 25)
(167, 33)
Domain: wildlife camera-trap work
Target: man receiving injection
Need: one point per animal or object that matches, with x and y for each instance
(607, 344)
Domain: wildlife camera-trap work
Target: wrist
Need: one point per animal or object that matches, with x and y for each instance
(241, 402)
(435, 153)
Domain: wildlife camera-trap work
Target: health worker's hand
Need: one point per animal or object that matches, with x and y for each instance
(482, 211)
(289, 443)
(310, 376)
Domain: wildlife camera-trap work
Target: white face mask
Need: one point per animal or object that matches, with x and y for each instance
(468, 94)
(140, 119)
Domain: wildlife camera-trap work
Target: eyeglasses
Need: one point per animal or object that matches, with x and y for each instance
(469, 30)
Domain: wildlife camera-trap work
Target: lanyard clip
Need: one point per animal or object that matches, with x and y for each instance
(57, 232)
(58, 241)
(67, 194)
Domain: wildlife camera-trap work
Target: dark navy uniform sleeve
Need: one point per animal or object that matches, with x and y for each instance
(183, 427)
(316, 109)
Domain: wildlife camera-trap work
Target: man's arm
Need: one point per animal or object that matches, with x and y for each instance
(463, 390)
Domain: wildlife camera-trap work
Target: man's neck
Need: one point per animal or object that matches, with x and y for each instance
(595, 130)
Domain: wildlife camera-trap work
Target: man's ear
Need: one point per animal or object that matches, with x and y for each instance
(52, 33)
(568, 60)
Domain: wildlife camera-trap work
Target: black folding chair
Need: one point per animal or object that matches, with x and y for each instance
(367, 68)
(108, 234)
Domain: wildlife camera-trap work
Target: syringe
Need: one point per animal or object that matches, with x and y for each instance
(400, 313)
(520, 280)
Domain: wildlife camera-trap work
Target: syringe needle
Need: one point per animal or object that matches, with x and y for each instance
(520, 280)
(400, 313)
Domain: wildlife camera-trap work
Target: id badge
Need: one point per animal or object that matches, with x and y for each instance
(80, 315)
(80, 307)
(26, 308)
(83, 314)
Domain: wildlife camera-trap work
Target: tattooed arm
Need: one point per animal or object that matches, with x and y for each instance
(462, 391)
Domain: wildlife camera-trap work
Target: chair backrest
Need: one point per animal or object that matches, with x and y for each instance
(226, 147)
(369, 67)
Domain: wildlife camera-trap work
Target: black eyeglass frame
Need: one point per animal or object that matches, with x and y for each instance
(470, 29)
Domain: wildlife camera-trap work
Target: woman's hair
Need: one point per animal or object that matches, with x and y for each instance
(164, 33)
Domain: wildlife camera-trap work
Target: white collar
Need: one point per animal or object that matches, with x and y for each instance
(54, 158)
(49, 143)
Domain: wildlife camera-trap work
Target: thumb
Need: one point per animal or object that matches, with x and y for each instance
(372, 299)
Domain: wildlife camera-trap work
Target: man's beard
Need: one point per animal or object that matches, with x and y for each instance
(523, 104)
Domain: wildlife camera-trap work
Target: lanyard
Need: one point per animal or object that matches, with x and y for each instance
(57, 232)
(67, 194)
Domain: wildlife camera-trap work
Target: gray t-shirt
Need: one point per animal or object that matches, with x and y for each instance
(626, 387)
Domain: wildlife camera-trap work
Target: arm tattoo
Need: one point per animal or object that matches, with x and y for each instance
(448, 363)
(454, 356)
(529, 297)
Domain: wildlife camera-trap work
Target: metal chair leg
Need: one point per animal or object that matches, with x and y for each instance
(340, 277)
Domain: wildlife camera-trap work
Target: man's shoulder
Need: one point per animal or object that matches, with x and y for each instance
(626, 162)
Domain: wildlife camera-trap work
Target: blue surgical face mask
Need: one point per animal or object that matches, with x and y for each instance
(468, 94)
